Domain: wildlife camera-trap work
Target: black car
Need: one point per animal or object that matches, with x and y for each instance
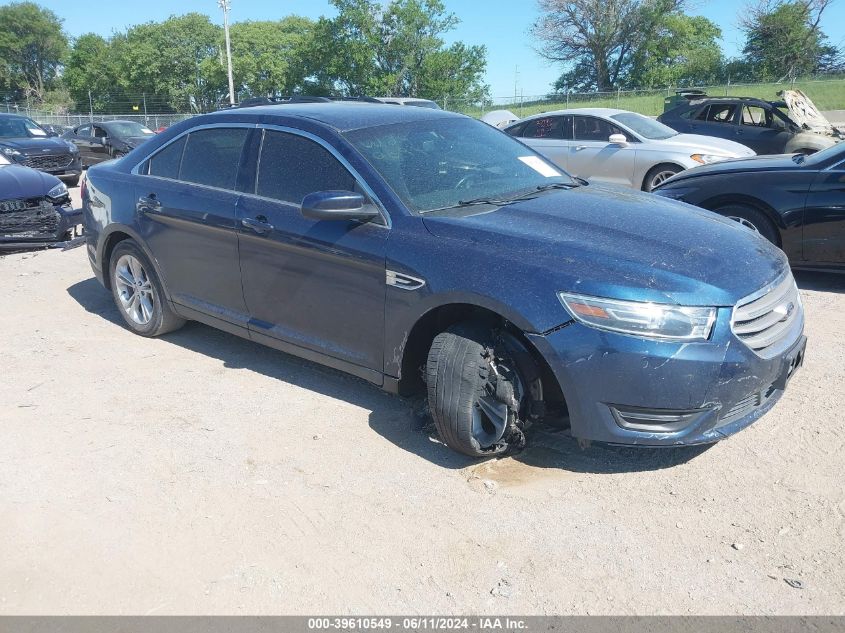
(794, 201)
(54, 129)
(24, 142)
(106, 140)
(764, 126)
(35, 209)
(424, 250)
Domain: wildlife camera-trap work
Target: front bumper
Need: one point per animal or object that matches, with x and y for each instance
(71, 169)
(66, 220)
(626, 390)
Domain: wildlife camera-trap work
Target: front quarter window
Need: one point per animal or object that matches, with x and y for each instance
(438, 164)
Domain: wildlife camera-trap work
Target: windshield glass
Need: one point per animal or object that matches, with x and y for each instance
(645, 127)
(19, 127)
(440, 163)
(129, 129)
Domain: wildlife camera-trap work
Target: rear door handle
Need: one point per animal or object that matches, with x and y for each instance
(149, 204)
(260, 224)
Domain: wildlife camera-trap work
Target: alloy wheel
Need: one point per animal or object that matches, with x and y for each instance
(134, 289)
(661, 177)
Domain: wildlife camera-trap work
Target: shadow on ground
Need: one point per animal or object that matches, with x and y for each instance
(399, 420)
(822, 282)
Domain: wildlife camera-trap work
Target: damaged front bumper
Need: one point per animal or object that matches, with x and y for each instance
(60, 228)
(634, 391)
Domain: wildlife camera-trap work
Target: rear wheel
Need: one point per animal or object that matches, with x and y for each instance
(481, 386)
(659, 174)
(138, 292)
(751, 218)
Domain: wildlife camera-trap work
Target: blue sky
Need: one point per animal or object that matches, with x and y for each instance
(500, 24)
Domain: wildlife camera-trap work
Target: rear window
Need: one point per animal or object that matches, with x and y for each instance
(718, 113)
(211, 157)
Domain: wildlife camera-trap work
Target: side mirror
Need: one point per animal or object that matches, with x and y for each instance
(337, 205)
(618, 139)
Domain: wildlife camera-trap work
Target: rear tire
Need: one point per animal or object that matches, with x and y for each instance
(138, 292)
(752, 218)
(475, 395)
(659, 174)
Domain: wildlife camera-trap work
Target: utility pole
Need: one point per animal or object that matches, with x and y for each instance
(91, 106)
(225, 6)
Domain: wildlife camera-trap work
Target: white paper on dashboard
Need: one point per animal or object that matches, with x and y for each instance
(541, 167)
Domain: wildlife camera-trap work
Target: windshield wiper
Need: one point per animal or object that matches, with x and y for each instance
(501, 202)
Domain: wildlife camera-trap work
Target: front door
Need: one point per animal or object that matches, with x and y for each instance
(824, 217)
(186, 203)
(318, 285)
(594, 157)
(761, 131)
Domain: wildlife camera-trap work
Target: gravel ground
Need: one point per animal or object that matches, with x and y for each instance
(201, 474)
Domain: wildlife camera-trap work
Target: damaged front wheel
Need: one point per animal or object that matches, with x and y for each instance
(482, 389)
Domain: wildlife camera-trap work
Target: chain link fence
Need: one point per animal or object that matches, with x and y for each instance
(828, 93)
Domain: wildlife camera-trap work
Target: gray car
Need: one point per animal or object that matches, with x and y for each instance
(620, 147)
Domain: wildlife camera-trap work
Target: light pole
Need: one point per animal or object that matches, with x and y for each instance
(225, 6)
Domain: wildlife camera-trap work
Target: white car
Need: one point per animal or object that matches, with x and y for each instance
(620, 147)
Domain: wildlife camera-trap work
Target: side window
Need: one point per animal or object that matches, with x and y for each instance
(516, 130)
(99, 132)
(718, 113)
(588, 128)
(211, 157)
(167, 162)
(291, 167)
(755, 115)
(553, 127)
(84, 131)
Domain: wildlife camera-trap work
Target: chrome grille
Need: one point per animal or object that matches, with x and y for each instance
(771, 320)
(48, 161)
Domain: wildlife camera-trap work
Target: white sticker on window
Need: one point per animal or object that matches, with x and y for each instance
(540, 166)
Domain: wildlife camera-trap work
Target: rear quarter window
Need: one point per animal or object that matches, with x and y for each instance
(167, 162)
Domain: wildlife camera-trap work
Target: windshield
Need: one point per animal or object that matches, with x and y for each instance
(20, 127)
(129, 129)
(441, 163)
(645, 127)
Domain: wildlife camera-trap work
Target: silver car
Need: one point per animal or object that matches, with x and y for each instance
(620, 147)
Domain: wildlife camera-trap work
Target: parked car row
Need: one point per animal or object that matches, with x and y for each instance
(425, 251)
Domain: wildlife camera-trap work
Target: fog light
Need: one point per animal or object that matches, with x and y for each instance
(656, 420)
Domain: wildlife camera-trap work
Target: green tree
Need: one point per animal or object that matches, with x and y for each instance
(394, 50)
(685, 50)
(93, 66)
(784, 39)
(32, 47)
(175, 62)
(268, 58)
(597, 40)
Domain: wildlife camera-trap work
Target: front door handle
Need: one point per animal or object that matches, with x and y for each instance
(260, 224)
(580, 147)
(149, 204)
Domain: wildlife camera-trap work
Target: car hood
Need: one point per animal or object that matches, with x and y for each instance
(612, 242)
(698, 144)
(17, 182)
(774, 162)
(805, 113)
(50, 144)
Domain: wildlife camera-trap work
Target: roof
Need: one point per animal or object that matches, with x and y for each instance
(341, 115)
(605, 112)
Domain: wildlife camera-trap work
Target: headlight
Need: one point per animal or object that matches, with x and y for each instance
(650, 320)
(10, 151)
(58, 192)
(706, 159)
(73, 148)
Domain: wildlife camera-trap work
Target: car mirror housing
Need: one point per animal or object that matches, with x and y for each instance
(337, 205)
(618, 139)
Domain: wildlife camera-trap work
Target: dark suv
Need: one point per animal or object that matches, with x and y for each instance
(423, 250)
(764, 126)
(24, 142)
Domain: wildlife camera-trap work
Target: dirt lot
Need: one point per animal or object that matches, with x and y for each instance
(201, 473)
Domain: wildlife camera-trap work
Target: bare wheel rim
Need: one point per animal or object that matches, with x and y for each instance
(134, 289)
(661, 177)
(746, 223)
(490, 416)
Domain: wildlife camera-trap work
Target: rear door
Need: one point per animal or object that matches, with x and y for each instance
(824, 217)
(551, 136)
(717, 119)
(594, 157)
(82, 137)
(318, 285)
(186, 197)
